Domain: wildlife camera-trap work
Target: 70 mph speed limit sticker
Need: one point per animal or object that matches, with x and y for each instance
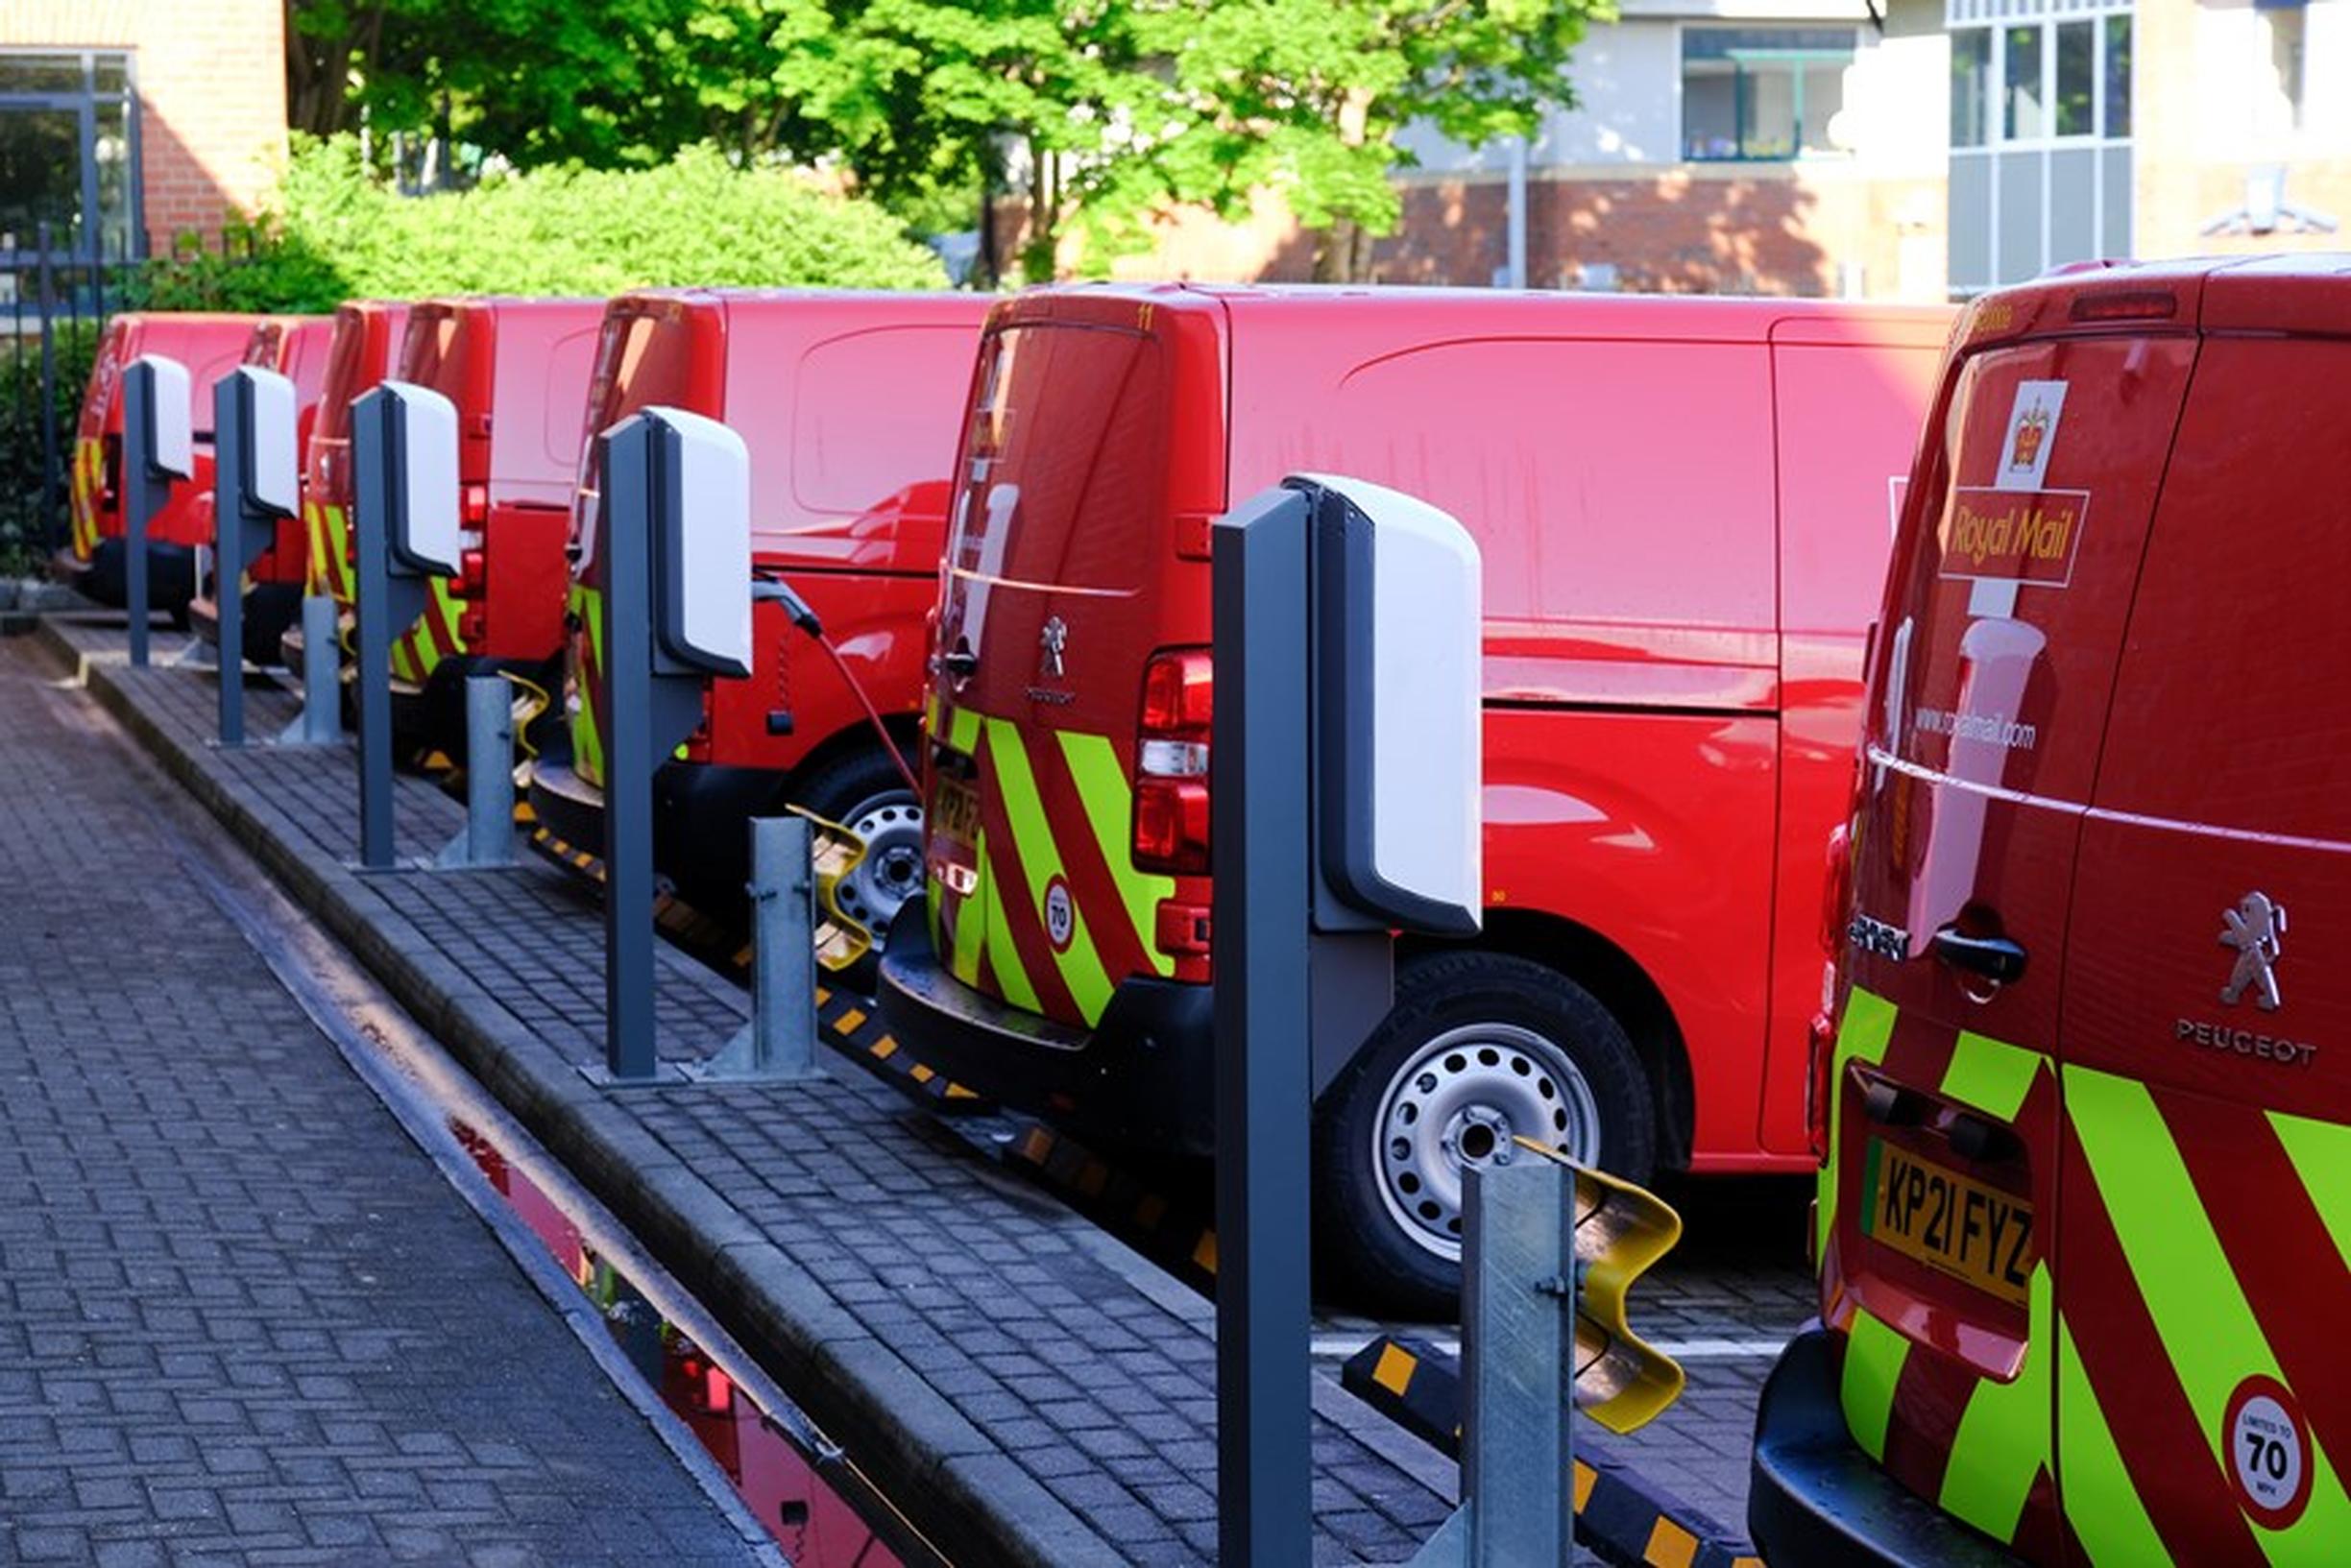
(2269, 1452)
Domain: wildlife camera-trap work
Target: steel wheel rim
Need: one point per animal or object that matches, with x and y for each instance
(890, 871)
(1458, 1102)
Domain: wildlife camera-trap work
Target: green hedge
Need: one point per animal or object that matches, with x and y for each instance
(336, 233)
(31, 519)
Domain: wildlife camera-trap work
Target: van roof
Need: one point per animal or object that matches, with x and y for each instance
(2304, 293)
(1708, 318)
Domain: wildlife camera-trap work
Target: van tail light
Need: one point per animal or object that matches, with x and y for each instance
(472, 574)
(1838, 894)
(1171, 795)
(1821, 1055)
(109, 470)
(473, 505)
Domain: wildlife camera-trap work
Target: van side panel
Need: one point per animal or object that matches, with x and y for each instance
(1631, 586)
(2207, 1046)
(1848, 416)
(1655, 830)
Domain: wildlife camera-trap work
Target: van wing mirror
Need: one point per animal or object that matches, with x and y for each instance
(701, 511)
(419, 447)
(1400, 598)
(164, 406)
(271, 462)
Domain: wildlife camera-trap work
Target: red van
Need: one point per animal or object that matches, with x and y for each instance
(297, 348)
(1683, 511)
(366, 344)
(518, 371)
(849, 403)
(2084, 1218)
(209, 346)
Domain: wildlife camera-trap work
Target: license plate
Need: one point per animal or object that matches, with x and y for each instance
(1962, 1227)
(954, 811)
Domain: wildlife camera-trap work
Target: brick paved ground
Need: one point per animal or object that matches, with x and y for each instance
(242, 1318)
(989, 1340)
(907, 1261)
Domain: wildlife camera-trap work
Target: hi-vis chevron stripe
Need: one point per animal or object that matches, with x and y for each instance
(587, 652)
(1054, 830)
(2203, 1246)
(329, 570)
(88, 478)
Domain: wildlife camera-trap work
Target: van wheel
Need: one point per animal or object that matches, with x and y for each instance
(1479, 1050)
(864, 792)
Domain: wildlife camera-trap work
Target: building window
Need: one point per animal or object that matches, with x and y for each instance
(69, 153)
(1971, 53)
(1761, 92)
(2055, 80)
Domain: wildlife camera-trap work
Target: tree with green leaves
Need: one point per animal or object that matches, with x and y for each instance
(1117, 110)
(1308, 97)
(1101, 114)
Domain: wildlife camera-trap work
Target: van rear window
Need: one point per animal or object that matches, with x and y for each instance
(345, 364)
(1067, 449)
(643, 361)
(435, 354)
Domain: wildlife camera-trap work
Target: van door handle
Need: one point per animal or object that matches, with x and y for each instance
(960, 662)
(1994, 958)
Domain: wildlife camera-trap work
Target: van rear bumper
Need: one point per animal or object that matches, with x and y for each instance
(1141, 1074)
(1814, 1498)
(171, 574)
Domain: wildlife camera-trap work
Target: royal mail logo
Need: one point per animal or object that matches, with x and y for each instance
(2032, 431)
(2031, 438)
(2014, 536)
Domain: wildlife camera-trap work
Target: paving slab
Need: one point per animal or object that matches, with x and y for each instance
(242, 1317)
(979, 1349)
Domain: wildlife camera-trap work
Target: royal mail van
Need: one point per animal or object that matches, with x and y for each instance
(1683, 511)
(849, 403)
(209, 346)
(516, 370)
(297, 348)
(2084, 1224)
(365, 347)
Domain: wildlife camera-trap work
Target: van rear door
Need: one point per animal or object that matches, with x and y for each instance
(652, 350)
(2022, 533)
(1077, 553)
(2204, 1256)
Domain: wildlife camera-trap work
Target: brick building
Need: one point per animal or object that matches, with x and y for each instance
(128, 123)
(1888, 149)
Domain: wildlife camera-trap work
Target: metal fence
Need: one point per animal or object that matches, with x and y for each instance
(54, 304)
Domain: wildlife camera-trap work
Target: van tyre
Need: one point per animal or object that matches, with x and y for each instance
(863, 792)
(1479, 1048)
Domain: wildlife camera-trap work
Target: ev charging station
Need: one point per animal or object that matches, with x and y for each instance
(159, 446)
(256, 483)
(405, 458)
(669, 555)
(1344, 764)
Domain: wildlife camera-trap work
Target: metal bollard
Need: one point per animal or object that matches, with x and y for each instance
(1519, 1280)
(320, 723)
(778, 1044)
(488, 840)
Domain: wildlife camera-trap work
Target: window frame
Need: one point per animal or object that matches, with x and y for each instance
(1798, 60)
(1995, 105)
(84, 106)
